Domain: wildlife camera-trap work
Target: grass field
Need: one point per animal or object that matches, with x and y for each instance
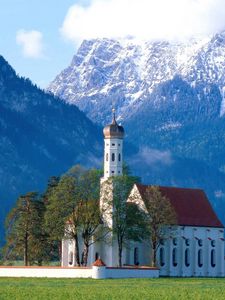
(163, 288)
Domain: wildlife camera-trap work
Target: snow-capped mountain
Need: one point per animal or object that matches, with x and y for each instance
(106, 73)
(170, 97)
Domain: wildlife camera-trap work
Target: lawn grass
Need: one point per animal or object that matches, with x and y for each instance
(85, 289)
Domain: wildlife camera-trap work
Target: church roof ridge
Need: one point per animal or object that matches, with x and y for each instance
(191, 206)
(169, 187)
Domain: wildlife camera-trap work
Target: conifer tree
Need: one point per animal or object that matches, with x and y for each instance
(24, 229)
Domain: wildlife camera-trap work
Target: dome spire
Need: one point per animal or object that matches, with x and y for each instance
(113, 130)
(114, 116)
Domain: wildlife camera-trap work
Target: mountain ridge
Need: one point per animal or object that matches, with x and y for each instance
(40, 136)
(170, 98)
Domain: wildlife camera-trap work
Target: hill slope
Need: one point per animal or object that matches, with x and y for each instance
(40, 136)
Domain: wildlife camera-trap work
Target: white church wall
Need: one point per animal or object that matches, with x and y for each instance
(180, 253)
(93, 272)
(49, 272)
(132, 272)
(200, 242)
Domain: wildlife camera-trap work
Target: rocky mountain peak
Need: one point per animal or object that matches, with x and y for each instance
(124, 73)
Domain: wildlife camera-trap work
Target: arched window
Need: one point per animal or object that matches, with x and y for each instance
(113, 156)
(174, 254)
(213, 258)
(162, 242)
(175, 241)
(200, 258)
(162, 256)
(213, 243)
(136, 260)
(187, 242)
(71, 258)
(200, 243)
(119, 157)
(187, 257)
(107, 157)
(96, 255)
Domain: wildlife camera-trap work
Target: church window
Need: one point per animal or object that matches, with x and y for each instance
(200, 258)
(187, 242)
(162, 242)
(175, 242)
(136, 260)
(71, 258)
(113, 156)
(187, 257)
(119, 157)
(213, 243)
(112, 172)
(162, 256)
(213, 258)
(107, 157)
(200, 243)
(174, 255)
(96, 255)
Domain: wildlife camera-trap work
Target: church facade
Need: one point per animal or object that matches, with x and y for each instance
(195, 248)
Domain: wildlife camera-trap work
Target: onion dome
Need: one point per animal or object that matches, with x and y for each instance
(113, 130)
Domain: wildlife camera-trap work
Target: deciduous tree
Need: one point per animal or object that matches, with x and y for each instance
(128, 222)
(160, 215)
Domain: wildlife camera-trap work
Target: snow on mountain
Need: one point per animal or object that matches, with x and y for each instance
(123, 73)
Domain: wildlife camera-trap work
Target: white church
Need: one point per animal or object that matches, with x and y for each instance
(196, 248)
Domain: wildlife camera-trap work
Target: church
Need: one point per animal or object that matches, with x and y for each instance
(196, 248)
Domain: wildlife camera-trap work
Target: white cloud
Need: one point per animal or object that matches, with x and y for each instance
(144, 19)
(31, 43)
(152, 157)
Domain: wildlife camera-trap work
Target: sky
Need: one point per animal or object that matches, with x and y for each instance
(39, 37)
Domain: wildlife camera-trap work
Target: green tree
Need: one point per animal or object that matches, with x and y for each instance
(73, 209)
(62, 213)
(52, 246)
(128, 222)
(160, 215)
(23, 228)
(89, 213)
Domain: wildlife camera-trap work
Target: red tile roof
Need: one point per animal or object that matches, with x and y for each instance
(191, 206)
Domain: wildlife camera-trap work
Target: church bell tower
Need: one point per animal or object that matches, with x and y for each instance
(113, 149)
(113, 166)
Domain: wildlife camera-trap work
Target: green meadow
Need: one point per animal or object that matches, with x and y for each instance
(162, 288)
